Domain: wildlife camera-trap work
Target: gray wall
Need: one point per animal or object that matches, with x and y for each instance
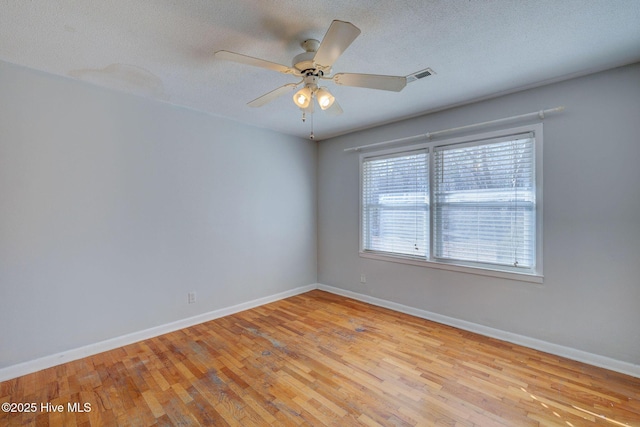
(113, 208)
(591, 293)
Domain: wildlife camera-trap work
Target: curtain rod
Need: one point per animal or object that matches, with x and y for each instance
(430, 135)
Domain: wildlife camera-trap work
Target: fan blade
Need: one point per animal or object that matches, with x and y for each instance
(276, 93)
(338, 38)
(334, 110)
(256, 62)
(371, 81)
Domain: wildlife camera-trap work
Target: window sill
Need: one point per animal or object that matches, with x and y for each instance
(523, 277)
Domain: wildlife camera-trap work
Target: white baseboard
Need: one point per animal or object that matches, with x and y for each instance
(31, 366)
(536, 344)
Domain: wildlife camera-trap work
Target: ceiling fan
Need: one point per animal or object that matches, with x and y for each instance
(314, 65)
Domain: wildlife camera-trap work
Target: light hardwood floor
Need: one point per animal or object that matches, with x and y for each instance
(320, 359)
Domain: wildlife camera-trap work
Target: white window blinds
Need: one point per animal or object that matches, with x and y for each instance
(395, 204)
(484, 202)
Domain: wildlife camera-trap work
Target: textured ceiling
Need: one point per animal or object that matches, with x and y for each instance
(163, 49)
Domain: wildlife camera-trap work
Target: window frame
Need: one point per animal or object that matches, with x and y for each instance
(534, 275)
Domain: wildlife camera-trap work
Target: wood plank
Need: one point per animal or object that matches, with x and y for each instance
(321, 359)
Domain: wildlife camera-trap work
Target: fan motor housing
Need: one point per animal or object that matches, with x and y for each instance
(304, 61)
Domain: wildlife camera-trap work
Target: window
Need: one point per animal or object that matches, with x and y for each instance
(395, 215)
(470, 204)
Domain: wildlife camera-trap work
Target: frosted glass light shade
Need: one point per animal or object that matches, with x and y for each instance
(302, 98)
(325, 98)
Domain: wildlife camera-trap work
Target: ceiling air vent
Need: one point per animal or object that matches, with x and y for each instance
(419, 75)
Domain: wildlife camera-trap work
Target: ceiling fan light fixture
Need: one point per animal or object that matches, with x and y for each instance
(316, 63)
(325, 98)
(302, 98)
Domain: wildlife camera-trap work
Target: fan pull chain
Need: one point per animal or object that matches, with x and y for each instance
(304, 119)
(311, 136)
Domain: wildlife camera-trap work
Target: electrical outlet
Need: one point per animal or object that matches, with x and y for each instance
(191, 296)
(363, 278)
